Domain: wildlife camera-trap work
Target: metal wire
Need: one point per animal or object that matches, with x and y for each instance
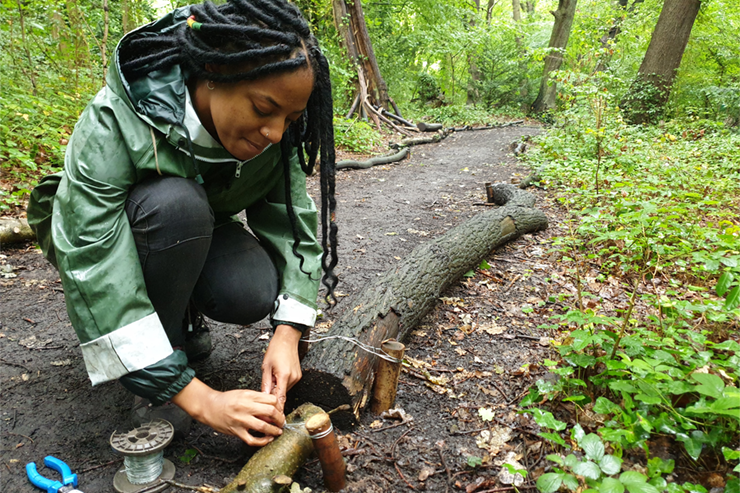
(365, 347)
(143, 469)
(322, 434)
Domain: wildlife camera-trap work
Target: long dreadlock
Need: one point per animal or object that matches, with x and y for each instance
(258, 38)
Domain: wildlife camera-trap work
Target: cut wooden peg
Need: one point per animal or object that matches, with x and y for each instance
(489, 193)
(386, 377)
(325, 444)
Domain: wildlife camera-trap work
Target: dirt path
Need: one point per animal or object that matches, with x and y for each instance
(479, 347)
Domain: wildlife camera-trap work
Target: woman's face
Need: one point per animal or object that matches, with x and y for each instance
(246, 116)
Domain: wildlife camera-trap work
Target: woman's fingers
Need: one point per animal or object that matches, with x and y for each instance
(267, 381)
(254, 441)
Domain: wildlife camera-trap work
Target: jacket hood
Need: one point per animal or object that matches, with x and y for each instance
(160, 97)
(161, 94)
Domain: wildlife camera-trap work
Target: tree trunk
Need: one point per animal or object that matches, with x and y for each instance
(126, 16)
(30, 75)
(489, 11)
(652, 86)
(104, 45)
(472, 90)
(547, 97)
(281, 457)
(349, 20)
(337, 372)
(529, 6)
(516, 8)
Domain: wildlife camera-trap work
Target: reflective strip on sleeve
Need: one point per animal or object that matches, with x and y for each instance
(130, 348)
(291, 310)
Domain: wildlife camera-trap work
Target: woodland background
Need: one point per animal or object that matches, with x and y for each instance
(641, 100)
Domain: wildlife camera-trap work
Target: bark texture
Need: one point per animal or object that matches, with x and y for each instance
(281, 457)
(652, 86)
(14, 231)
(337, 372)
(547, 97)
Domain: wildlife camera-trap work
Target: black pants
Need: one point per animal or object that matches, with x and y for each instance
(225, 271)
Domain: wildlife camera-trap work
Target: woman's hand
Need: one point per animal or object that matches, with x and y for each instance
(281, 368)
(236, 412)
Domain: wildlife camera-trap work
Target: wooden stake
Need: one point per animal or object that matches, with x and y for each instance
(327, 449)
(386, 377)
(489, 193)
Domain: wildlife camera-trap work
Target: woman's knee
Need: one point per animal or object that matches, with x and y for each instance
(239, 282)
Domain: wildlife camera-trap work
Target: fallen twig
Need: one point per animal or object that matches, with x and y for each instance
(398, 469)
(158, 485)
(509, 488)
(110, 463)
(391, 426)
(444, 463)
(495, 385)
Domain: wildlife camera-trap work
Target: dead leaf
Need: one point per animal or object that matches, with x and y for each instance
(25, 377)
(64, 362)
(19, 445)
(31, 342)
(493, 329)
(396, 413)
(507, 477)
(426, 471)
(418, 333)
(456, 302)
(376, 424)
(493, 440)
(416, 363)
(461, 351)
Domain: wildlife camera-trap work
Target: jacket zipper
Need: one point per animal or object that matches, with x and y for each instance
(238, 172)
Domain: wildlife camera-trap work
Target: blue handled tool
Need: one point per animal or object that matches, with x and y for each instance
(68, 483)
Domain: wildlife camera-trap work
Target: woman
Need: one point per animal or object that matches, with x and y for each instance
(207, 112)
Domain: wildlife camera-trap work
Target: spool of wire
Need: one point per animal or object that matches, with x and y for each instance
(143, 457)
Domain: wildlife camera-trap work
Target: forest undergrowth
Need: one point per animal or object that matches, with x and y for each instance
(646, 382)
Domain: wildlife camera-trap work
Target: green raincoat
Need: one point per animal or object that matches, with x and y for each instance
(130, 131)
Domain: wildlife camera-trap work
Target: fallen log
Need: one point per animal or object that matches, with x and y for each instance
(336, 371)
(375, 161)
(266, 471)
(487, 127)
(429, 127)
(14, 231)
(415, 141)
(397, 118)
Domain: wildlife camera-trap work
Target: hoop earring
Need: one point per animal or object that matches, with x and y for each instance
(210, 85)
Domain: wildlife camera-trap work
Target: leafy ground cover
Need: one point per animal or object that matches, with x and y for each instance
(34, 131)
(647, 346)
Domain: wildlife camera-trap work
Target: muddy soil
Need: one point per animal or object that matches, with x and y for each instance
(477, 350)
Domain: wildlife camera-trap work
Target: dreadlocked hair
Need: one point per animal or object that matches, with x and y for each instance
(255, 39)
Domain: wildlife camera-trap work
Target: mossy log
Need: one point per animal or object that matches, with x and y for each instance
(267, 469)
(429, 127)
(375, 161)
(14, 231)
(415, 141)
(337, 372)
